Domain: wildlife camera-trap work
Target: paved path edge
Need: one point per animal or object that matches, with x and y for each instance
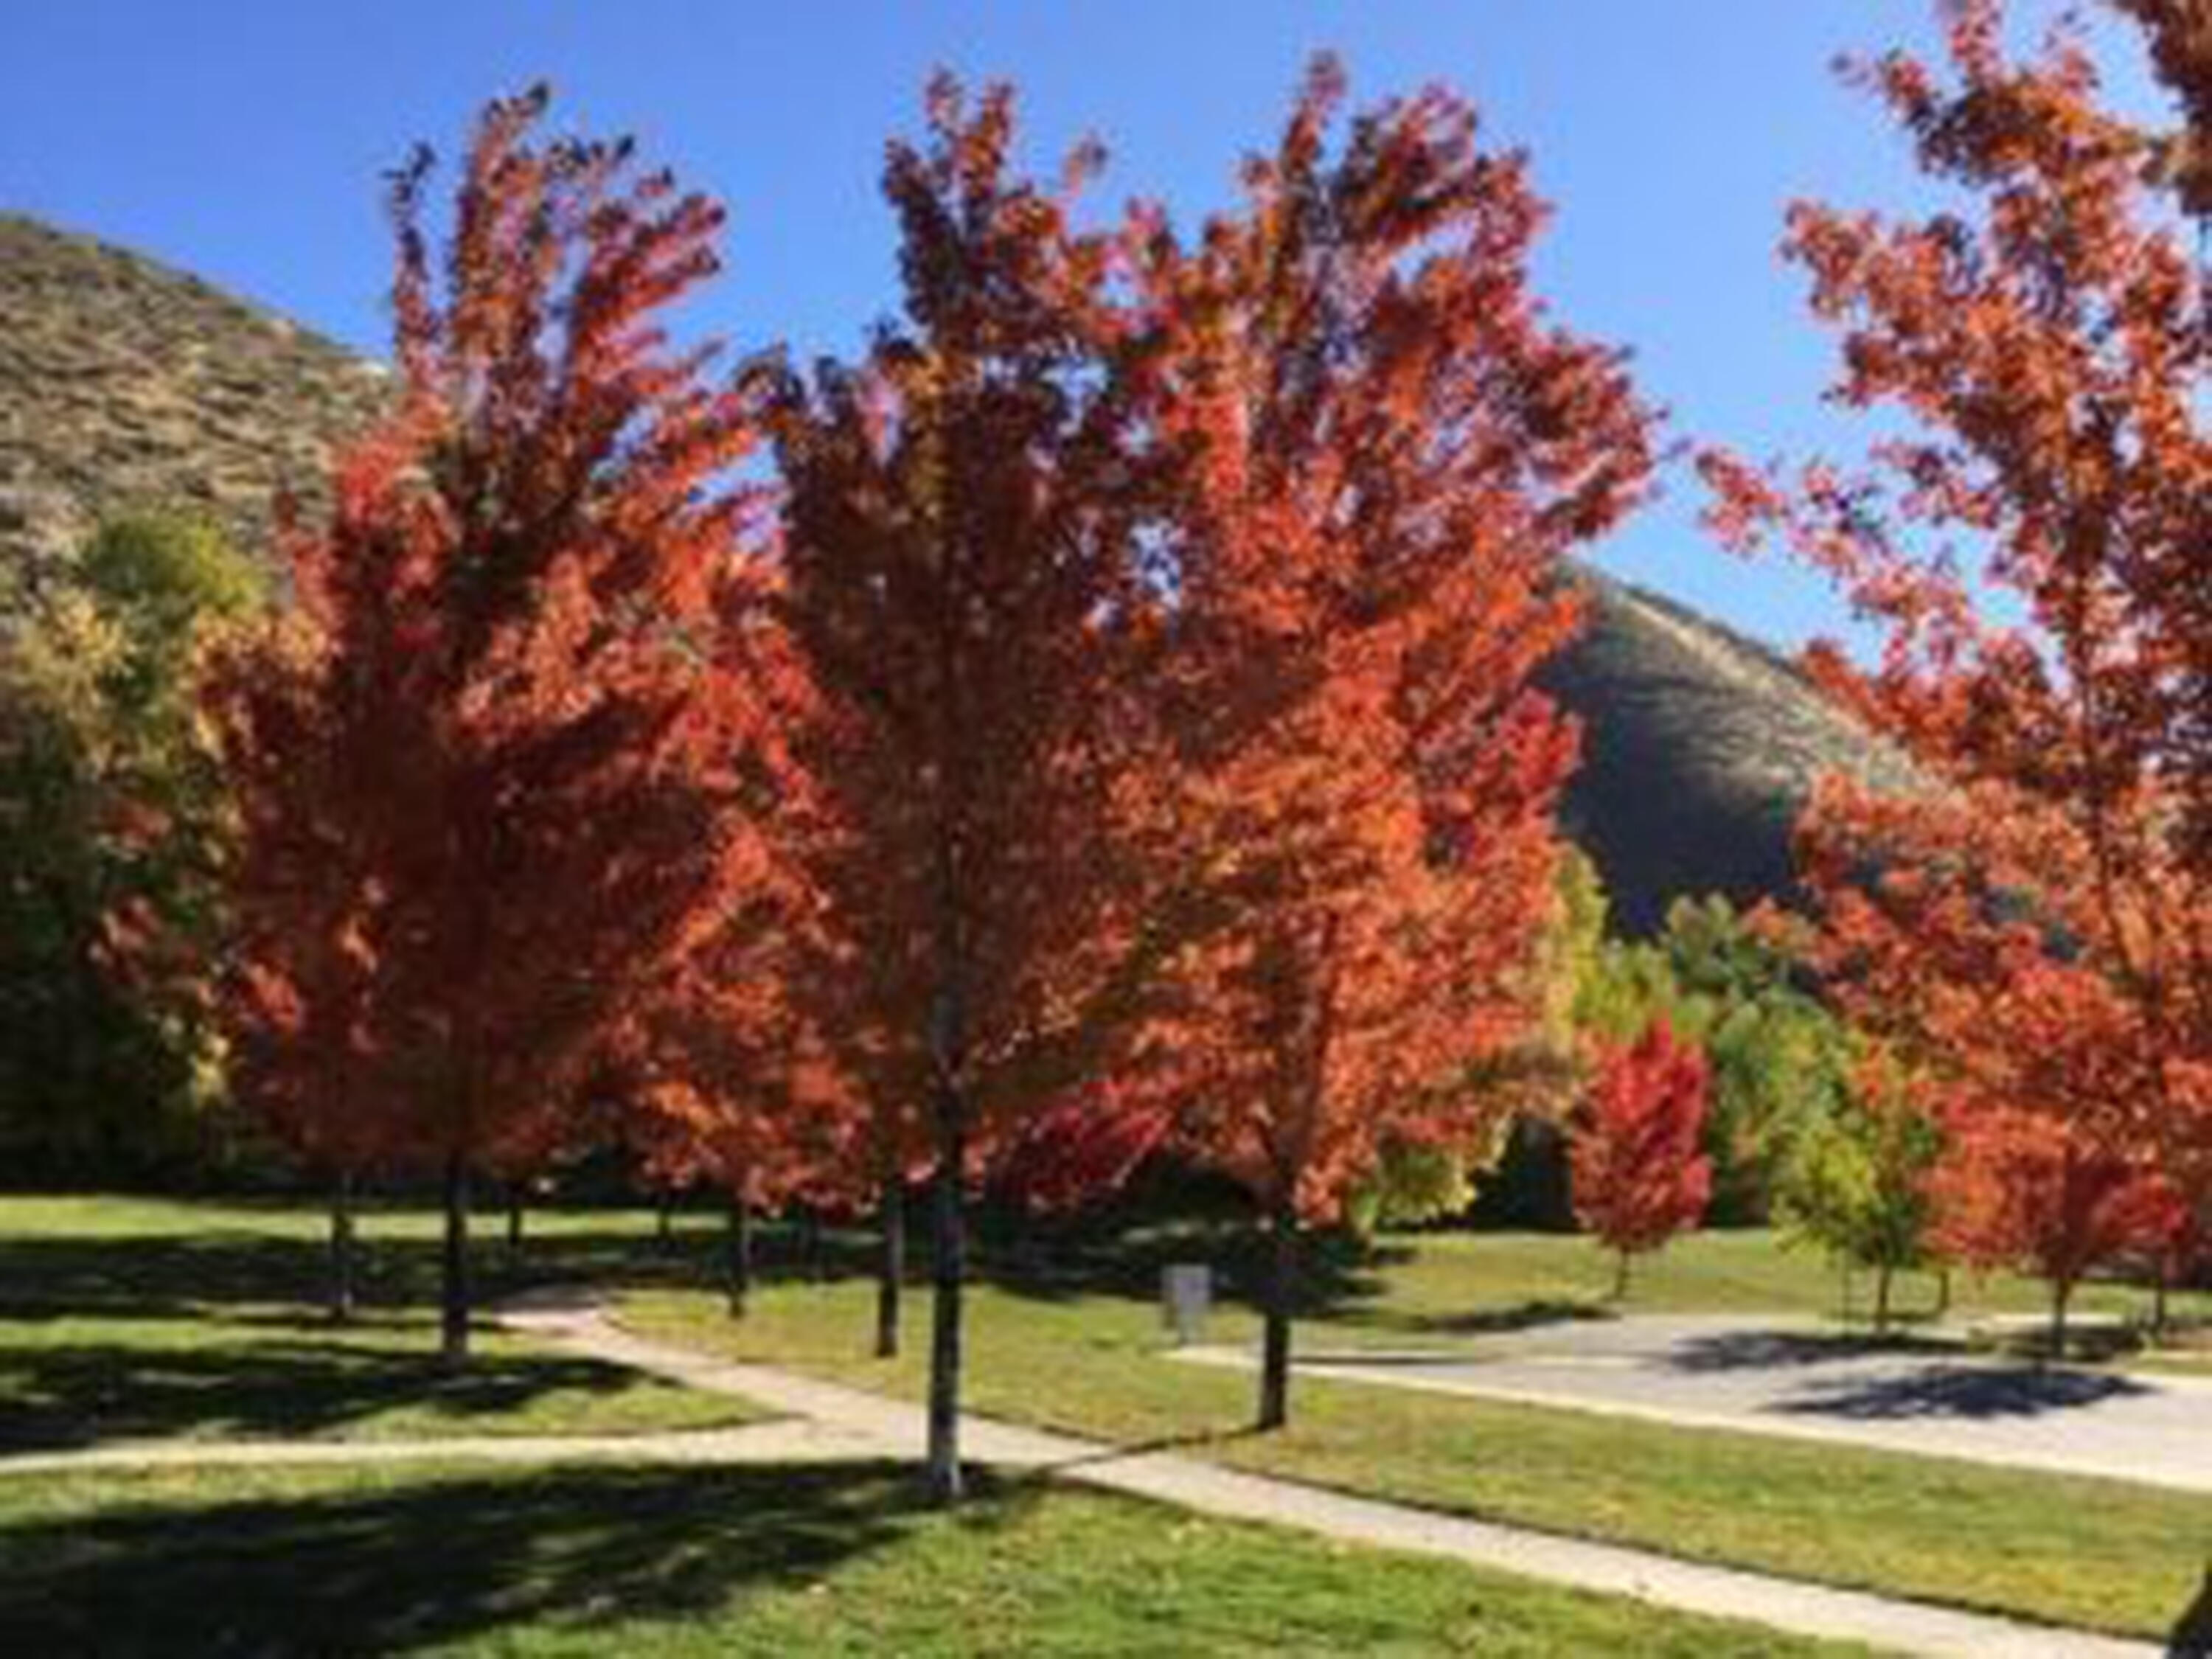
(897, 1428)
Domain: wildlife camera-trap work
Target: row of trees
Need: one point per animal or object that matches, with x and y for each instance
(1723, 1070)
(1102, 708)
(1118, 704)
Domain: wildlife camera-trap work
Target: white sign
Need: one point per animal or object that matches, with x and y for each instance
(1186, 1295)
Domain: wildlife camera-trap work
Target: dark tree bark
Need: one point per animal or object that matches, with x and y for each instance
(891, 1267)
(949, 1266)
(340, 1290)
(738, 1255)
(515, 1195)
(1275, 1332)
(2061, 1293)
(810, 1243)
(1621, 1277)
(1884, 1272)
(663, 1221)
(453, 1297)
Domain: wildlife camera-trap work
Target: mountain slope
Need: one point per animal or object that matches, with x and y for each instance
(123, 382)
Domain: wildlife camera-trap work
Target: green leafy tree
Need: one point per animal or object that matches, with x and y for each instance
(1775, 1049)
(1536, 1080)
(112, 822)
(1415, 1181)
(1724, 986)
(1854, 1178)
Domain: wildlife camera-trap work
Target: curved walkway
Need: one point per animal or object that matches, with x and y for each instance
(895, 1427)
(829, 1421)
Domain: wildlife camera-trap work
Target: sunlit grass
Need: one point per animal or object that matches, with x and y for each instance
(685, 1564)
(2097, 1554)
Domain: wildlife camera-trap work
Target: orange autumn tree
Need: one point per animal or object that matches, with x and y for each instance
(1639, 1170)
(718, 1072)
(484, 791)
(848, 992)
(963, 591)
(2033, 928)
(1382, 453)
(2029, 1192)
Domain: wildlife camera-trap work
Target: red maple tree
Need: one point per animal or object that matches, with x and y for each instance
(2173, 1234)
(964, 591)
(486, 766)
(2034, 924)
(1640, 1174)
(2030, 1193)
(1380, 454)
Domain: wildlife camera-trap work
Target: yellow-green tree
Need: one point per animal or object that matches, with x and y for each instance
(112, 822)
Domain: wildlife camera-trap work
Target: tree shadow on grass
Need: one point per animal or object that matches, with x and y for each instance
(1336, 1271)
(1533, 1313)
(2191, 1635)
(181, 1275)
(76, 1394)
(401, 1566)
(169, 1276)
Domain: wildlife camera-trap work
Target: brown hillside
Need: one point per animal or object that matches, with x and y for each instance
(124, 382)
(1698, 746)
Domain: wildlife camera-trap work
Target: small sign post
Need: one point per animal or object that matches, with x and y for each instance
(1186, 1296)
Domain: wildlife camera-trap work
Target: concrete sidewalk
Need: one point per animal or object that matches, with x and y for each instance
(897, 1428)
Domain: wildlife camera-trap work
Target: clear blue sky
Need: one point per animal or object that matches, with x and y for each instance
(243, 140)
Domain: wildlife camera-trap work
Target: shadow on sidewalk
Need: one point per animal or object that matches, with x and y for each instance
(1960, 1391)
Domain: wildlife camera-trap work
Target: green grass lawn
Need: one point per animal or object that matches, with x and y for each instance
(246, 1372)
(1428, 1289)
(135, 1317)
(683, 1564)
(2103, 1554)
(129, 1318)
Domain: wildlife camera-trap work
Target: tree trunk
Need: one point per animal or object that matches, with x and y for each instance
(2158, 1301)
(2061, 1292)
(891, 1267)
(1882, 1274)
(1943, 1291)
(453, 1298)
(810, 1243)
(1620, 1278)
(514, 1207)
(340, 1290)
(1275, 1332)
(737, 1264)
(663, 1221)
(949, 1267)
